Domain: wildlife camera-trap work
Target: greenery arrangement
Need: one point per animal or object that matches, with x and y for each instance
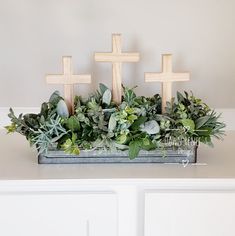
(136, 124)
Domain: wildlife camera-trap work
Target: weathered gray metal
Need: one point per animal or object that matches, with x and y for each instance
(188, 155)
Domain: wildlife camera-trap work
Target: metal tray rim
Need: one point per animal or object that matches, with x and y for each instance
(155, 156)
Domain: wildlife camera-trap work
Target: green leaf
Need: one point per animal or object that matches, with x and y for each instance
(129, 96)
(70, 147)
(132, 118)
(136, 125)
(150, 127)
(102, 88)
(11, 113)
(112, 123)
(201, 121)
(11, 128)
(147, 144)
(31, 120)
(121, 139)
(107, 96)
(44, 109)
(188, 124)
(62, 109)
(55, 98)
(180, 97)
(72, 124)
(204, 131)
(134, 149)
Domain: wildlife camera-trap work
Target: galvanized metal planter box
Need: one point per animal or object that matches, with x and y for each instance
(169, 155)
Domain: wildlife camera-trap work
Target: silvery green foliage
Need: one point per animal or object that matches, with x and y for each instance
(129, 96)
(41, 140)
(112, 123)
(150, 127)
(55, 98)
(100, 124)
(48, 134)
(107, 96)
(53, 127)
(62, 109)
(102, 88)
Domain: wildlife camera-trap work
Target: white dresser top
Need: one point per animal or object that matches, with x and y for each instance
(19, 162)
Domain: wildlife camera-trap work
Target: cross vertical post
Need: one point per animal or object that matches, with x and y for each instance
(166, 85)
(117, 70)
(68, 88)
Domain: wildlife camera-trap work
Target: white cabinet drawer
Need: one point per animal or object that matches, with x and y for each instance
(189, 213)
(58, 214)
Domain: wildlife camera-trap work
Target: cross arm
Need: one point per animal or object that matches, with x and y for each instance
(70, 80)
(165, 77)
(117, 57)
(55, 79)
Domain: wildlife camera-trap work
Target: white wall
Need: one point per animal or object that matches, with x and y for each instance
(34, 35)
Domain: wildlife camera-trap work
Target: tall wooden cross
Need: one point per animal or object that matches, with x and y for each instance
(116, 57)
(68, 79)
(166, 77)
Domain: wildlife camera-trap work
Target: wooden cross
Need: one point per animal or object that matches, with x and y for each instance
(68, 79)
(166, 77)
(116, 57)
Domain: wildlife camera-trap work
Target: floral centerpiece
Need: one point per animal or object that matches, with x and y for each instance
(134, 126)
